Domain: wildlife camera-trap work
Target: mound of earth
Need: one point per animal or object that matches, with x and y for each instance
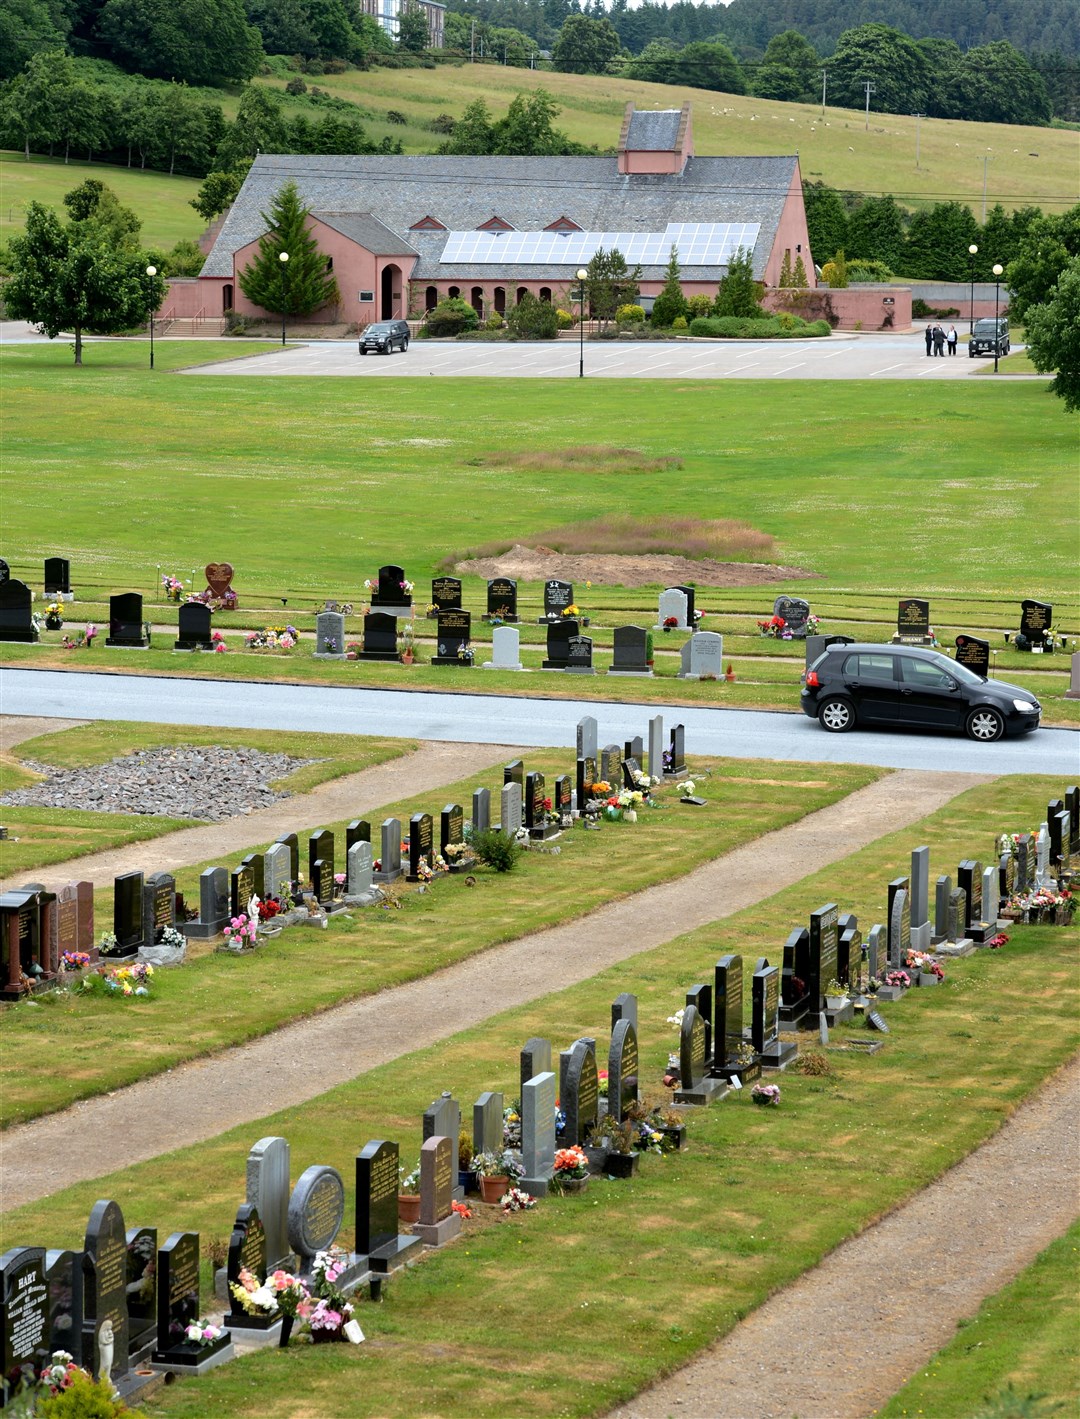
(654, 569)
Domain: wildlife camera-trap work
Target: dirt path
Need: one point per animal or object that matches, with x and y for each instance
(431, 766)
(900, 1287)
(16, 729)
(204, 1098)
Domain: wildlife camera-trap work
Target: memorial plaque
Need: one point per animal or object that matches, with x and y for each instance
(974, 653)
(316, 1210)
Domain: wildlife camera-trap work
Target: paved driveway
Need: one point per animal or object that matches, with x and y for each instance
(845, 356)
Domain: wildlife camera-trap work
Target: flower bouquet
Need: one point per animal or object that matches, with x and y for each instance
(516, 1200)
(767, 1096)
(571, 1170)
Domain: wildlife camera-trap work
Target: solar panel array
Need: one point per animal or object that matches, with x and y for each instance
(697, 243)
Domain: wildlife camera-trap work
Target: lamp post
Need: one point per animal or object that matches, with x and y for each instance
(283, 257)
(151, 272)
(582, 276)
(998, 269)
(973, 251)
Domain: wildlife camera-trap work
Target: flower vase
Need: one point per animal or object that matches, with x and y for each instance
(569, 1185)
(53, 623)
(286, 1331)
(408, 1207)
(835, 1002)
(406, 657)
(492, 1189)
(621, 1165)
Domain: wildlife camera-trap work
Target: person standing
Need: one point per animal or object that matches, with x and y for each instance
(929, 341)
(939, 342)
(951, 339)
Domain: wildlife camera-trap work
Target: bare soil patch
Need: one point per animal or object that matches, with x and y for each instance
(593, 457)
(615, 569)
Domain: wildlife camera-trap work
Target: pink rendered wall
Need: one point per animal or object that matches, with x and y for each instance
(856, 305)
(633, 160)
(190, 296)
(791, 234)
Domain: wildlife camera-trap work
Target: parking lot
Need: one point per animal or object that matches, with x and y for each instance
(841, 356)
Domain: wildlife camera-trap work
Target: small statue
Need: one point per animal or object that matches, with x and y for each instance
(106, 1345)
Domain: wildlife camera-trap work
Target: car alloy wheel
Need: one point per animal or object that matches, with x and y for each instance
(837, 716)
(986, 725)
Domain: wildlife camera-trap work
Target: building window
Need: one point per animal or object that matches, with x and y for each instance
(427, 224)
(500, 300)
(545, 294)
(431, 298)
(454, 292)
(477, 300)
(329, 263)
(563, 224)
(521, 291)
(495, 224)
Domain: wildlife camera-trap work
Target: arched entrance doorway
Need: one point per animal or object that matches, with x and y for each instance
(476, 300)
(431, 298)
(226, 299)
(390, 293)
(500, 300)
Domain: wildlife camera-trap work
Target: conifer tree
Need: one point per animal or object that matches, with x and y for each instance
(798, 276)
(670, 303)
(297, 286)
(738, 293)
(786, 279)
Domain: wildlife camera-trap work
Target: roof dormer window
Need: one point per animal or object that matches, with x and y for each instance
(495, 224)
(427, 224)
(563, 224)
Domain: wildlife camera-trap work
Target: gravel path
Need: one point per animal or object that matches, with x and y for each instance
(900, 1287)
(204, 1098)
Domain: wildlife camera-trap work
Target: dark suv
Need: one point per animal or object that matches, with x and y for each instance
(990, 337)
(877, 684)
(384, 335)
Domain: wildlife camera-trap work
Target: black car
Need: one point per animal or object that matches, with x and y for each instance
(384, 335)
(989, 337)
(884, 684)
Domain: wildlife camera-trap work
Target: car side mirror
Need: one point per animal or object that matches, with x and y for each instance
(953, 687)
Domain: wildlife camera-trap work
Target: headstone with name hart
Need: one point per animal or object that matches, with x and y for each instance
(25, 1333)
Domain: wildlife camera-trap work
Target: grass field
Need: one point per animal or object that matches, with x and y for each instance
(631, 1280)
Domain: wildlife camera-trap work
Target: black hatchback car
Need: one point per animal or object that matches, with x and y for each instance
(384, 336)
(903, 685)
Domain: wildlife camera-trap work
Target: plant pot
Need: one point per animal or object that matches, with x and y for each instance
(570, 1185)
(927, 978)
(406, 657)
(53, 623)
(408, 1207)
(286, 1331)
(492, 1189)
(674, 1136)
(621, 1165)
(835, 1002)
(467, 1179)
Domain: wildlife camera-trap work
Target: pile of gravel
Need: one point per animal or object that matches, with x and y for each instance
(182, 782)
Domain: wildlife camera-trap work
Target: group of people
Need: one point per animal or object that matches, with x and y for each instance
(937, 339)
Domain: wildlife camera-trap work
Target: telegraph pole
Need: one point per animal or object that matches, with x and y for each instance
(917, 117)
(824, 89)
(870, 89)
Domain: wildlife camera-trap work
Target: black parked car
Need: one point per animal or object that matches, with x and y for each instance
(883, 684)
(384, 335)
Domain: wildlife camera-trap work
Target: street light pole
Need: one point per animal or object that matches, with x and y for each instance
(973, 251)
(151, 272)
(582, 277)
(283, 257)
(998, 269)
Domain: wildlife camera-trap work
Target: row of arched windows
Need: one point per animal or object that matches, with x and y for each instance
(476, 297)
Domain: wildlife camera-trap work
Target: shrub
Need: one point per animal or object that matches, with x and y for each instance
(921, 311)
(494, 321)
(532, 319)
(335, 66)
(867, 270)
(296, 86)
(819, 327)
(630, 315)
(443, 123)
(495, 849)
(394, 115)
(85, 1399)
(452, 316)
(679, 323)
(698, 306)
(835, 272)
(564, 320)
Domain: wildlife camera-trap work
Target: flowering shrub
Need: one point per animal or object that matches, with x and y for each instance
(767, 1095)
(515, 1200)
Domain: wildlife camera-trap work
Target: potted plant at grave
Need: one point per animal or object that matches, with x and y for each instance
(667, 1122)
(670, 623)
(766, 1096)
(571, 1170)
(408, 1200)
(649, 648)
(622, 1156)
(54, 616)
(466, 1171)
(326, 1312)
(835, 995)
(406, 646)
(494, 1173)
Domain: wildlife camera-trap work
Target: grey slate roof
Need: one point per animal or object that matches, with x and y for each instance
(368, 231)
(529, 193)
(654, 132)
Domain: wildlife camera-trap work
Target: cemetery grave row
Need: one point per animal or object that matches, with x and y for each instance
(48, 938)
(126, 1307)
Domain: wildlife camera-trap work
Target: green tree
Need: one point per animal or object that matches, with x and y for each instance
(528, 128)
(533, 319)
(994, 84)
(610, 283)
(739, 292)
(875, 231)
(826, 219)
(777, 81)
(899, 70)
(670, 303)
(34, 102)
(28, 27)
(474, 132)
(300, 285)
(94, 203)
(1053, 335)
(793, 51)
(413, 34)
(798, 276)
(219, 190)
(702, 64)
(257, 127)
(76, 278)
(198, 42)
(586, 46)
(937, 243)
(1047, 248)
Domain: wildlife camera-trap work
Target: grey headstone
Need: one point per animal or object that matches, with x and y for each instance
(899, 928)
(624, 1007)
(268, 1190)
(481, 810)
(587, 737)
(359, 869)
(823, 1027)
(438, 1174)
(656, 745)
(920, 886)
(578, 1091)
(277, 866)
(692, 1049)
(538, 1131)
(505, 649)
(991, 901)
(390, 850)
(442, 1119)
(316, 1211)
(535, 1059)
(672, 603)
(622, 1069)
(330, 635)
(488, 1123)
(702, 654)
(942, 888)
(213, 903)
(510, 806)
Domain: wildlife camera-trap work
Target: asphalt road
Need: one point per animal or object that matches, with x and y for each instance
(844, 356)
(480, 718)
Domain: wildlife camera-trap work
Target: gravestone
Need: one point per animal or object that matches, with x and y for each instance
(635, 749)
(5, 571)
(677, 754)
(969, 877)
(16, 615)
(535, 1059)
(700, 997)
(1036, 620)
(292, 842)
(389, 866)
(359, 873)
(624, 1007)
(127, 915)
(794, 1001)
(505, 649)
(727, 997)
(1073, 692)
(957, 915)
(912, 622)
(1043, 875)
(689, 592)
(579, 656)
(438, 1170)
(579, 1090)
(1059, 825)
(536, 797)
(849, 957)
(214, 911)
(84, 892)
(823, 955)
(558, 595)
(105, 1294)
(630, 653)
(247, 1252)
(442, 1119)
(451, 834)
(276, 871)
(991, 903)
(771, 1051)
(611, 766)
(219, 577)
(702, 657)
(159, 907)
(510, 809)
(900, 938)
(538, 1132)
(241, 889)
(481, 810)
(193, 627)
(320, 849)
(358, 831)
(453, 638)
(57, 576)
(24, 1317)
(587, 774)
(257, 863)
(65, 926)
(673, 604)
(656, 746)
(421, 845)
(876, 943)
(379, 637)
(974, 653)
(141, 1289)
(487, 1123)
(564, 800)
(942, 888)
(502, 599)
(1072, 807)
(390, 594)
(329, 636)
(559, 635)
(377, 1232)
(323, 885)
(817, 646)
(316, 1211)
(126, 627)
(587, 741)
(622, 1070)
(1006, 875)
(63, 1279)
(920, 898)
(268, 1192)
(446, 593)
(1025, 853)
(794, 611)
(692, 1051)
(178, 1307)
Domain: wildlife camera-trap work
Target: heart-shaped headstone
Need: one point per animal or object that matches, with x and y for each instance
(219, 577)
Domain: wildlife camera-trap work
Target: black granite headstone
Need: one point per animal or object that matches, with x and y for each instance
(558, 595)
(63, 1277)
(142, 1287)
(177, 1296)
(974, 653)
(126, 627)
(421, 844)
(912, 619)
(446, 593)
(24, 1317)
(822, 961)
(380, 637)
(453, 638)
(321, 848)
(630, 651)
(559, 635)
(193, 627)
(16, 616)
(128, 913)
(105, 1293)
(502, 599)
(57, 576)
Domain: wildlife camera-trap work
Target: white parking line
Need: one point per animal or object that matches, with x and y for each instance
(776, 374)
(883, 369)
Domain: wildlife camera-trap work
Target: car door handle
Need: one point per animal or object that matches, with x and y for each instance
(905, 692)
